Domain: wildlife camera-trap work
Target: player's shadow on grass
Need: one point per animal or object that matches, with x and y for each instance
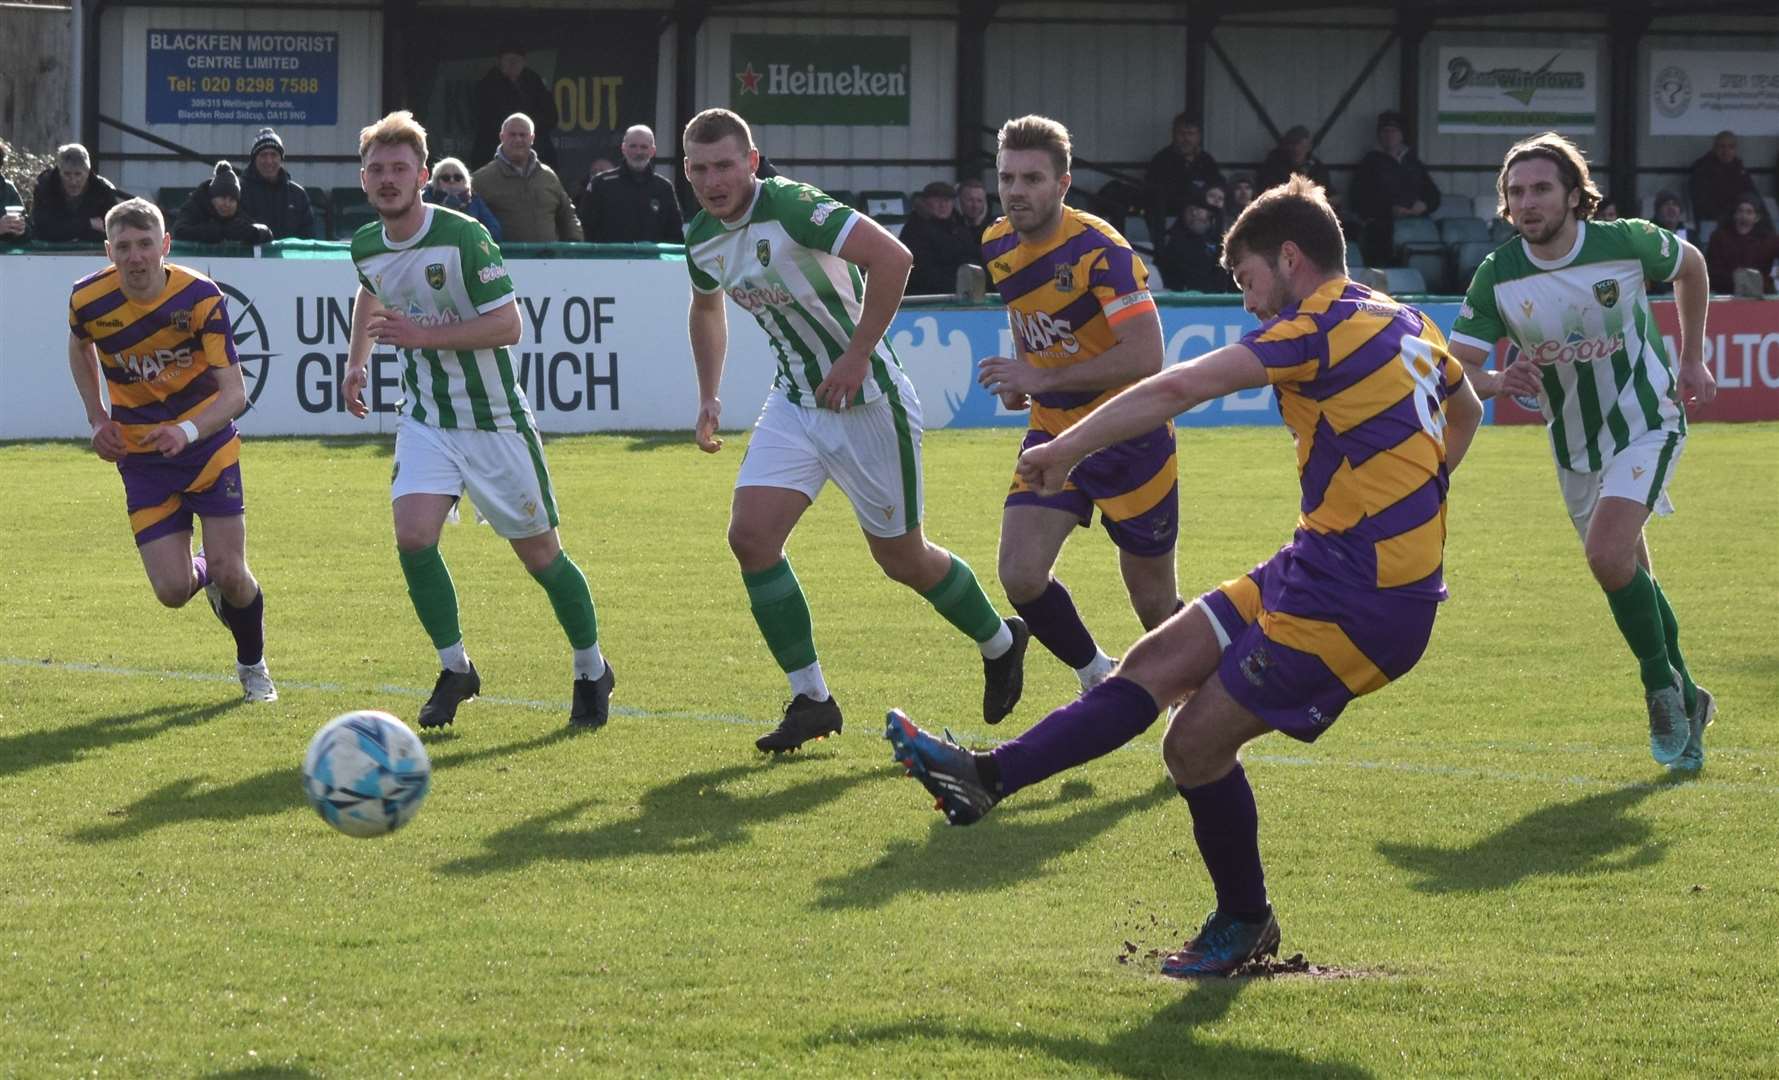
(1166, 1046)
(380, 444)
(647, 442)
(263, 1072)
(62, 746)
(271, 792)
(1002, 850)
(1592, 835)
(691, 815)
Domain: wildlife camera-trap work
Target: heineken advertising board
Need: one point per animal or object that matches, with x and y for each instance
(820, 78)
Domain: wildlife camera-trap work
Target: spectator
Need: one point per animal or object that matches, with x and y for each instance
(939, 241)
(450, 187)
(1178, 173)
(1607, 210)
(213, 214)
(1292, 155)
(1217, 202)
(1670, 214)
(1190, 256)
(70, 200)
(511, 87)
(1744, 239)
(972, 207)
(632, 203)
(1390, 183)
(15, 228)
(270, 197)
(524, 193)
(1241, 193)
(1719, 179)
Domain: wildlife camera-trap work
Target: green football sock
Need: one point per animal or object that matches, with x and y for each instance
(782, 613)
(1639, 619)
(959, 597)
(1671, 635)
(435, 598)
(567, 588)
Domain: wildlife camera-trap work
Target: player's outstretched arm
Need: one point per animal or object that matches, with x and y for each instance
(1692, 299)
(1142, 407)
(358, 352)
(1486, 383)
(886, 264)
(83, 363)
(1463, 415)
(707, 324)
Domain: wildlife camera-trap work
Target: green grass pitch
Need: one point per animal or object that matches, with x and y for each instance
(1484, 854)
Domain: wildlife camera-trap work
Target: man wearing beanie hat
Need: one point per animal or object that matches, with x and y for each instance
(270, 197)
(1390, 183)
(213, 214)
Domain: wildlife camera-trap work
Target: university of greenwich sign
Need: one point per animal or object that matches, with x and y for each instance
(820, 78)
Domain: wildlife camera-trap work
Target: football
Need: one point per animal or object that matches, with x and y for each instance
(366, 773)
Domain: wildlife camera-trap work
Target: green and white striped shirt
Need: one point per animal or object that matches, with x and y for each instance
(1585, 319)
(448, 272)
(781, 262)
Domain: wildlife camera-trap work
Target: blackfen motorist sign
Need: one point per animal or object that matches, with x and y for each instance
(820, 78)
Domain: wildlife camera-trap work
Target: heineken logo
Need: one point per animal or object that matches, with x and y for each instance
(850, 79)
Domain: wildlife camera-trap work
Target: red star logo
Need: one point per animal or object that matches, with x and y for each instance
(750, 79)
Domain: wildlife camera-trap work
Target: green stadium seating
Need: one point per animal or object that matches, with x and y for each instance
(170, 199)
(350, 209)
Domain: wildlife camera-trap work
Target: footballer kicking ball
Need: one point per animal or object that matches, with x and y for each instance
(366, 773)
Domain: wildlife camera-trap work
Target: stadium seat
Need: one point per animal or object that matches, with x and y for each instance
(891, 205)
(1501, 231)
(1402, 280)
(323, 209)
(1458, 230)
(1418, 245)
(1355, 255)
(1136, 230)
(1483, 203)
(350, 210)
(1456, 206)
(1468, 256)
(170, 199)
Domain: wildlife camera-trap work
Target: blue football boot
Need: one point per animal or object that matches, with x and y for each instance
(1222, 946)
(943, 767)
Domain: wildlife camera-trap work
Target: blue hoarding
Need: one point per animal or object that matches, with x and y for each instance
(277, 77)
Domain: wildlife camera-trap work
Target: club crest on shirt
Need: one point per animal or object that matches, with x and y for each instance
(435, 275)
(181, 320)
(1606, 292)
(763, 249)
(1065, 278)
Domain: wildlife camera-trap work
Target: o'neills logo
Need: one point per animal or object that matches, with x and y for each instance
(810, 81)
(1577, 350)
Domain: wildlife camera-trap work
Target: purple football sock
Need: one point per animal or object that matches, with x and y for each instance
(1098, 722)
(1227, 827)
(200, 566)
(249, 627)
(1053, 620)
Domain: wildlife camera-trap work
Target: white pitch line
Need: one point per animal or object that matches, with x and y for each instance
(1149, 746)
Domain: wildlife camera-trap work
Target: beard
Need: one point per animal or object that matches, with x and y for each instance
(1546, 230)
(406, 200)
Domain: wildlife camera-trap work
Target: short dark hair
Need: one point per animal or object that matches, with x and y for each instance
(1038, 133)
(1187, 119)
(1572, 169)
(1296, 210)
(715, 125)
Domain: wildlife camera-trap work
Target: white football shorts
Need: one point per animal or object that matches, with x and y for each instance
(1640, 472)
(870, 451)
(503, 472)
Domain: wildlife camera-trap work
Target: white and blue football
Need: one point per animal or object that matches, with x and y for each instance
(366, 773)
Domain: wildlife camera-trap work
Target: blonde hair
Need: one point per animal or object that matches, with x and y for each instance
(714, 125)
(396, 129)
(135, 214)
(1038, 133)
